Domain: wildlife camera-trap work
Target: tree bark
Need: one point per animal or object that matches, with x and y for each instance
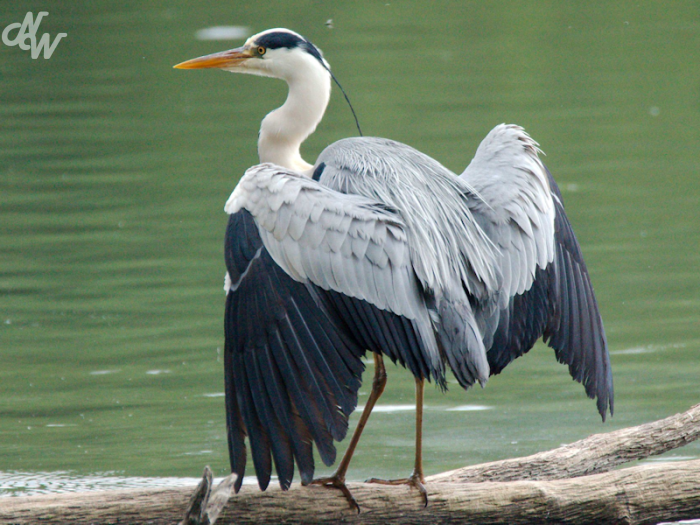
(642, 494)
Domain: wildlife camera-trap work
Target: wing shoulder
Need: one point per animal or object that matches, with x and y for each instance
(344, 243)
(516, 206)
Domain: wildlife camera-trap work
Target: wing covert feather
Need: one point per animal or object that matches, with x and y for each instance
(332, 235)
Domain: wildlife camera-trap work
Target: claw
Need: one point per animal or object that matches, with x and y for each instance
(338, 482)
(415, 480)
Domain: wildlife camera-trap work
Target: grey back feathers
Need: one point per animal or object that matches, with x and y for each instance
(453, 260)
(447, 246)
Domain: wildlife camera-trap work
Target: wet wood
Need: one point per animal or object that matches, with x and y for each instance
(534, 492)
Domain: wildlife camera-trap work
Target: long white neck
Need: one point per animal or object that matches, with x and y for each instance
(284, 130)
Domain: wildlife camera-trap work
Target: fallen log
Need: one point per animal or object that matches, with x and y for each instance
(642, 494)
(646, 494)
(593, 455)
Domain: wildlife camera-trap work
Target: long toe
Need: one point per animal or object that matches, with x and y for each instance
(415, 480)
(337, 482)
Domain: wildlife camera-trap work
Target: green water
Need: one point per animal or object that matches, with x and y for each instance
(114, 169)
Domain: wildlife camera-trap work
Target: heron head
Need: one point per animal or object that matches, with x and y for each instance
(278, 53)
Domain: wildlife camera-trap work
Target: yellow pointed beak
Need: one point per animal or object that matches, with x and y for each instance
(222, 60)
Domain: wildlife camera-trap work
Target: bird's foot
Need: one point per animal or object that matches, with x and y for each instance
(415, 480)
(338, 482)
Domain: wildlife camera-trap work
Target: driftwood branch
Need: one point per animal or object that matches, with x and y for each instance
(642, 494)
(595, 454)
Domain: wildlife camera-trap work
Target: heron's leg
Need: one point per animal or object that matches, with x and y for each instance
(337, 480)
(416, 479)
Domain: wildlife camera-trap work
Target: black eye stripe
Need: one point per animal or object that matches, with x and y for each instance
(280, 39)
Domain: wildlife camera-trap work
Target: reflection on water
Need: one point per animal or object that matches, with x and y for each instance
(671, 458)
(647, 349)
(114, 169)
(223, 33)
(468, 408)
(390, 408)
(403, 408)
(32, 483)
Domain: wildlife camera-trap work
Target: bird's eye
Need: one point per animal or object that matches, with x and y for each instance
(261, 50)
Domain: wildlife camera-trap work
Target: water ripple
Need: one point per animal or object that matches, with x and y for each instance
(16, 483)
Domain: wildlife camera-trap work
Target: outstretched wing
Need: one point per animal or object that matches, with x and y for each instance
(546, 287)
(315, 278)
(291, 374)
(575, 328)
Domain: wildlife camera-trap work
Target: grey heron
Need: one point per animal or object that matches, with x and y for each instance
(378, 247)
